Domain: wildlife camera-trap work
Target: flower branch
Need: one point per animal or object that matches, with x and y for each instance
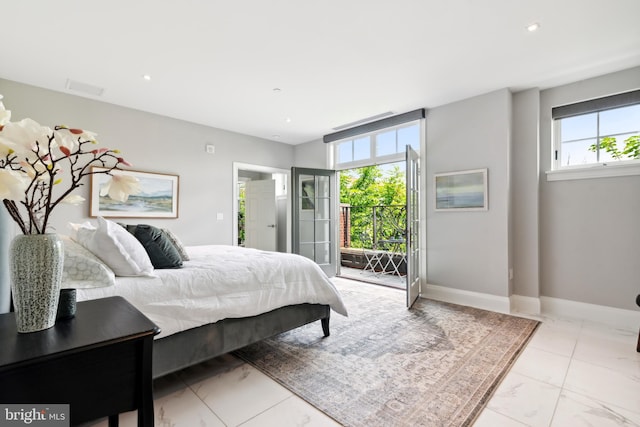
(33, 174)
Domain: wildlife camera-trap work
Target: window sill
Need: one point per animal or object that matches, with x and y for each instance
(595, 171)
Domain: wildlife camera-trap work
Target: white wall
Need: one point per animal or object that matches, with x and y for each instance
(470, 250)
(156, 144)
(589, 229)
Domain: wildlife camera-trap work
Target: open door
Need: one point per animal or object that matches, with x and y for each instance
(314, 210)
(413, 226)
(260, 215)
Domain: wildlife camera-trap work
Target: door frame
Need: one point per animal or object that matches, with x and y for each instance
(238, 166)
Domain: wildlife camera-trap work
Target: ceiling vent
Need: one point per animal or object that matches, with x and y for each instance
(84, 88)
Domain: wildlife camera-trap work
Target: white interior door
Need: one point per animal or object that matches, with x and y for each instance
(413, 226)
(260, 215)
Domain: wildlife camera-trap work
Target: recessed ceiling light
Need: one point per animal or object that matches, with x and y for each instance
(147, 77)
(288, 120)
(277, 89)
(533, 27)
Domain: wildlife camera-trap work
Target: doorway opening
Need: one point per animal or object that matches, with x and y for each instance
(373, 220)
(279, 203)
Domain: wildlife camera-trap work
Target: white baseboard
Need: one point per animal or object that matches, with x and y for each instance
(469, 298)
(617, 317)
(518, 304)
(525, 305)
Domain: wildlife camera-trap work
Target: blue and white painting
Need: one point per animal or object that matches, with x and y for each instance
(157, 198)
(461, 190)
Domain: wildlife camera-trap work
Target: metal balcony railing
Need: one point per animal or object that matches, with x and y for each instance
(374, 227)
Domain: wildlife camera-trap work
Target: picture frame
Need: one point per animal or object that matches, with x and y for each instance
(158, 197)
(461, 191)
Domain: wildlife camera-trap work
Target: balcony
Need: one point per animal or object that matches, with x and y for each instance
(374, 238)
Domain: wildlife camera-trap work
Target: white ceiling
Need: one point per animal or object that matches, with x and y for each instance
(336, 61)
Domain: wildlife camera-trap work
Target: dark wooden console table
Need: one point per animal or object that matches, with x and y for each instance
(98, 362)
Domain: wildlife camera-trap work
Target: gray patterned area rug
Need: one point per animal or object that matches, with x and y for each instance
(434, 365)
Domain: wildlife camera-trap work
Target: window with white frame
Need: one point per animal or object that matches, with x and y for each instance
(599, 132)
(382, 146)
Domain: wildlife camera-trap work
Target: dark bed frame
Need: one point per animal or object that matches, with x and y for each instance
(192, 346)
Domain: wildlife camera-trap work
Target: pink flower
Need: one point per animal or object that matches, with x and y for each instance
(123, 161)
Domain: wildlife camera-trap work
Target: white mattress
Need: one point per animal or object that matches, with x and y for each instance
(221, 282)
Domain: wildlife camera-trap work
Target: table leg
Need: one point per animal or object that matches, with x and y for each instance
(145, 411)
(114, 420)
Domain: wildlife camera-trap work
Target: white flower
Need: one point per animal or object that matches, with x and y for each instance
(31, 164)
(73, 199)
(119, 187)
(67, 137)
(12, 185)
(5, 115)
(6, 148)
(25, 134)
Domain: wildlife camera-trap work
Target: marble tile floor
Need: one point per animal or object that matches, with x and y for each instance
(572, 373)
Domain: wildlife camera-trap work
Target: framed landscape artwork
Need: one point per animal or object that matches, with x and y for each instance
(461, 191)
(158, 196)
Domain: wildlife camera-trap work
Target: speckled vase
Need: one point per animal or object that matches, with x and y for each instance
(36, 263)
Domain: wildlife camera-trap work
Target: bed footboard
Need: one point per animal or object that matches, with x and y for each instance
(196, 345)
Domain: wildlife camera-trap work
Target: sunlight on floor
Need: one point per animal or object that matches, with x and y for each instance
(392, 280)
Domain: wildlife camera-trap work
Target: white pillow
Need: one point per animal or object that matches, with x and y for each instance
(118, 248)
(82, 269)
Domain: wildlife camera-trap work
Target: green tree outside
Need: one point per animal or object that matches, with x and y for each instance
(371, 190)
(631, 149)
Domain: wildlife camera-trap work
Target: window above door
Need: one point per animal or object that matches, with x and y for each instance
(381, 146)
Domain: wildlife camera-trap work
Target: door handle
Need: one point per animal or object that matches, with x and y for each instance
(271, 226)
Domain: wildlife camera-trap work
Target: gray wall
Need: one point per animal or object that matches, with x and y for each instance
(156, 144)
(525, 174)
(470, 250)
(589, 233)
(311, 155)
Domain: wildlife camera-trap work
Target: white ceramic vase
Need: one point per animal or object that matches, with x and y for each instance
(35, 262)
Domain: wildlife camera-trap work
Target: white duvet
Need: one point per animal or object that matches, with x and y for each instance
(221, 282)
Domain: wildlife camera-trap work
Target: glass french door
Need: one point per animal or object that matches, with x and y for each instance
(413, 226)
(314, 211)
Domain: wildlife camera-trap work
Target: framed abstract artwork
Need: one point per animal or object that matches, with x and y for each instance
(461, 191)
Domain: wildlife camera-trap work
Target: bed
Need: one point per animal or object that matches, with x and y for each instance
(223, 298)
